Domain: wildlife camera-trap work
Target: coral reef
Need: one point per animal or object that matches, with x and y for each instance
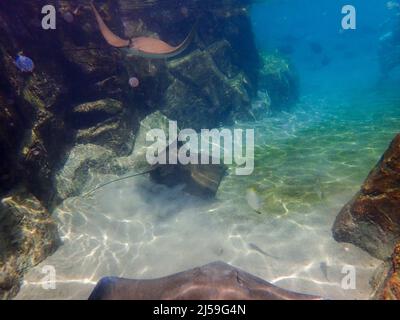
(371, 220)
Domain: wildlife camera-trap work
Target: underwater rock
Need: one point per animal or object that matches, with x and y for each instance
(93, 109)
(214, 281)
(104, 122)
(389, 288)
(279, 79)
(203, 96)
(28, 234)
(44, 90)
(137, 159)
(81, 159)
(371, 220)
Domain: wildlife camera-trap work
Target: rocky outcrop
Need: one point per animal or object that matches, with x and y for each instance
(371, 220)
(28, 235)
(391, 289)
(38, 106)
(387, 283)
(279, 80)
(104, 122)
(137, 159)
(74, 174)
(205, 93)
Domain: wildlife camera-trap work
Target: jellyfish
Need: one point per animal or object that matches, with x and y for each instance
(134, 82)
(24, 63)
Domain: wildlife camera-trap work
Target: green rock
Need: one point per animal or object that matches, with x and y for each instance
(279, 79)
(81, 160)
(205, 93)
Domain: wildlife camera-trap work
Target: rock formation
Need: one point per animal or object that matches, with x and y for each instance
(279, 79)
(371, 220)
(28, 234)
(388, 284)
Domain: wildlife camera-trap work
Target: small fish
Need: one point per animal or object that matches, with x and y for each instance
(253, 200)
(319, 188)
(259, 250)
(386, 36)
(315, 47)
(24, 63)
(324, 269)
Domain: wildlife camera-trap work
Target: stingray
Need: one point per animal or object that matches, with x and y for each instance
(142, 46)
(214, 281)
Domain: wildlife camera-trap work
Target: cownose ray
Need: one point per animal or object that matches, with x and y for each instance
(214, 281)
(142, 46)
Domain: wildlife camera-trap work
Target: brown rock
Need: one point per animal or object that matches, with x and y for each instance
(371, 220)
(390, 289)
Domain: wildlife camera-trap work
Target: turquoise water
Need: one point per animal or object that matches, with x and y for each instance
(324, 148)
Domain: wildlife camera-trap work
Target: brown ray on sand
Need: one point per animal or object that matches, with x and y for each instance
(214, 281)
(142, 46)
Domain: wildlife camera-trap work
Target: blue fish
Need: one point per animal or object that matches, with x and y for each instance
(24, 63)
